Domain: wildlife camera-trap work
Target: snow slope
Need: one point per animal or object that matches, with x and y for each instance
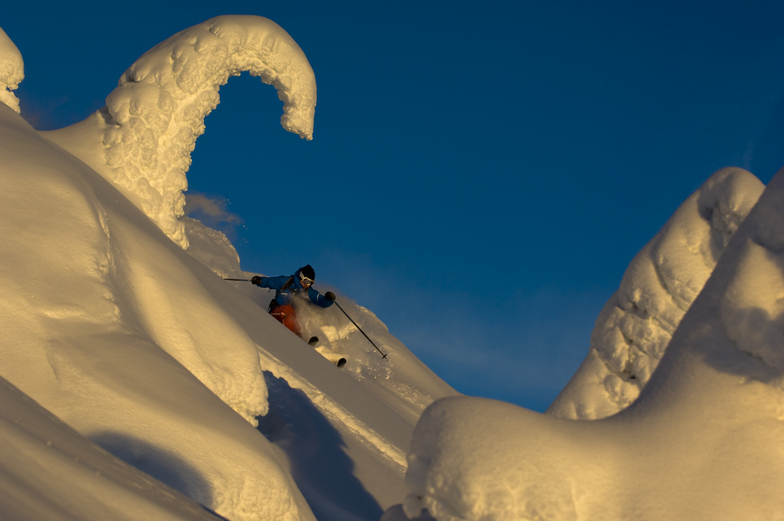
(138, 384)
(108, 328)
(702, 441)
(660, 284)
(50, 471)
(146, 352)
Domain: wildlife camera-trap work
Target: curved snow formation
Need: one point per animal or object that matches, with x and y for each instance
(660, 284)
(11, 71)
(702, 441)
(158, 109)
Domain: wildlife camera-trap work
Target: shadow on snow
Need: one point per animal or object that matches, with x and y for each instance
(322, 470)
(159, 464)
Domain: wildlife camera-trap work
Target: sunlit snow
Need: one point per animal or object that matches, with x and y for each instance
(141, 348)
(702, 441)
(11, 71)
(136, 383)
(637, 323)
(142, 139)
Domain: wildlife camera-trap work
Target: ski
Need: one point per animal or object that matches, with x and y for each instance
(338, 360)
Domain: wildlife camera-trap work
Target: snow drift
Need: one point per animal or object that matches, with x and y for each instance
(50, 471)
(702, 441)
(660, 284)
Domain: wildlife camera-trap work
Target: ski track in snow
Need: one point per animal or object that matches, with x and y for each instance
(334, 411)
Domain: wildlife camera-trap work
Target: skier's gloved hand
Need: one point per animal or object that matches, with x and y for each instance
(255, 280)
(329, 296)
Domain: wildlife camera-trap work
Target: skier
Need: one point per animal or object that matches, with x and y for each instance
(285, 288)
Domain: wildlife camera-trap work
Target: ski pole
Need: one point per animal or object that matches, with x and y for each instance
(360, 329)
(241, 280)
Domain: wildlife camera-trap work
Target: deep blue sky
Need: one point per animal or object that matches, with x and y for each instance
(481, 174)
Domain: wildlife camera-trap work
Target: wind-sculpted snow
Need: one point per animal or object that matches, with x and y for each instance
(11, 71)
(702, 441)
(636, 325)
(113, 328)
(142, 349)
(152, 119)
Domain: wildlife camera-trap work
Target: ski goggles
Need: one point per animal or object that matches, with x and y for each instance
(306, 281)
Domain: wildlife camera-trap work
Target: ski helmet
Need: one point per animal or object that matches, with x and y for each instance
(307, 272)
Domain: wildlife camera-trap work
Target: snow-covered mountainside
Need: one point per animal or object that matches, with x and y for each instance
(146, 352)
(136, 383)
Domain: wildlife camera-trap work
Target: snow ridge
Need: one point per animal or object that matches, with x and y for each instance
(660, 284)
(11, 71)
(157, 111)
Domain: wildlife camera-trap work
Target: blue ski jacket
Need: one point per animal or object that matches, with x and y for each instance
(284, 297)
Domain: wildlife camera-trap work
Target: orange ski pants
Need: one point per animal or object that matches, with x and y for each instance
(288, 317)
